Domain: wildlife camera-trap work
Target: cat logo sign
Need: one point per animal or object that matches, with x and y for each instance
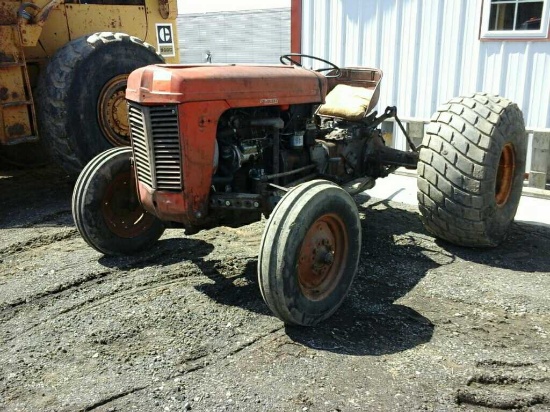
(165, 40)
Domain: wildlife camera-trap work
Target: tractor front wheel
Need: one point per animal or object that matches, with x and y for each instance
(106, 209)
(309, 253)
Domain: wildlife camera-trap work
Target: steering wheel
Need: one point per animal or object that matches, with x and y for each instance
(287, 59)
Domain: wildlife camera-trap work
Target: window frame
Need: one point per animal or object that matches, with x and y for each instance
(525, 35)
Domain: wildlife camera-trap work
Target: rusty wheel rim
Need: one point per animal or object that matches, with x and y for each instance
(112, 111)
(505, 174)
(121, 209)
(321, 260)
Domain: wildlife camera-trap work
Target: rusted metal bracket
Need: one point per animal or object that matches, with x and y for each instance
(389, 113)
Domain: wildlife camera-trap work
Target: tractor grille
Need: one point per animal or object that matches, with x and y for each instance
(156, 145)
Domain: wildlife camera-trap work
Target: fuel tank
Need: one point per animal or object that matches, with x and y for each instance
(237, 85)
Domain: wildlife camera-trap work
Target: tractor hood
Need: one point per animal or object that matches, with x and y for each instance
(238, 85)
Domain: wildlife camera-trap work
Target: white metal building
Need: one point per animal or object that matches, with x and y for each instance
(234, 36)
(433, 50)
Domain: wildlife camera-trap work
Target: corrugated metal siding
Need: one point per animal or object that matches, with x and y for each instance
(250, 36)
(430, 52)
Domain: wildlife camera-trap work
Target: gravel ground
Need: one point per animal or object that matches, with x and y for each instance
(427, 326)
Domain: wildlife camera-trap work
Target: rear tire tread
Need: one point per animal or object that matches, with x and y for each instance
(454, 173)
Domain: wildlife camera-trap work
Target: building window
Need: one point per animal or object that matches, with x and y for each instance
(515, 19)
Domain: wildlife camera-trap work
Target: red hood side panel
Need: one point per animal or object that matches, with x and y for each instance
(240, 86)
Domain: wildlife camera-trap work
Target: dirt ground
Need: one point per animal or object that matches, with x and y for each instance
(427, 326)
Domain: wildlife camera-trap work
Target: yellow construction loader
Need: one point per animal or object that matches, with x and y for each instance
(63, 72)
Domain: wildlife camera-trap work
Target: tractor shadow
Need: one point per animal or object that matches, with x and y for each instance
(238, 289)
(233, 280)
(37, 197)
(165, 252)
(397, 253)
(525, 249)
(370, 322)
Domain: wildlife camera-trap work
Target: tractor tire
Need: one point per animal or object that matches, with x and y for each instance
(471, 170)
(81, 104)
(309, 253)
(106, 209)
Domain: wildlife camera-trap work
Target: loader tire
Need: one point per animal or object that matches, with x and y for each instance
(309, 253)
(106, 209)
(471, 170)
(80, 104)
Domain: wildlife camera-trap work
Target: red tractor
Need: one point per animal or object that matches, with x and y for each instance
(226, 144)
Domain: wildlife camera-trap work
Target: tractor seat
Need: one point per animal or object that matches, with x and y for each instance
(350, 103)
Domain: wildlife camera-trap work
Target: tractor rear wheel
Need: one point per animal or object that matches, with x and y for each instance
(471, 170)
(81, 102)
(309, 253)
(106, 209)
